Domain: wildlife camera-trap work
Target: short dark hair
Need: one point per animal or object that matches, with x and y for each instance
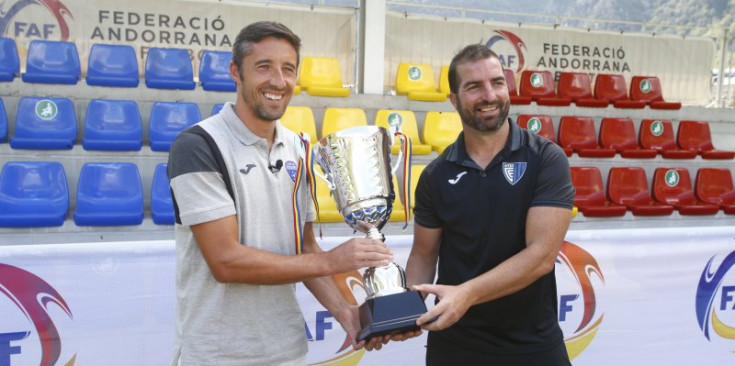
(256, 32)
(470, 53)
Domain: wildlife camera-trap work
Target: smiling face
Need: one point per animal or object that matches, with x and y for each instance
(482, 95)
(266, 79)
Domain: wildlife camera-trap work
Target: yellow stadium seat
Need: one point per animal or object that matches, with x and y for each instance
(415, 174)
(322, 76)
(444, 81)
(441, 129)
(336, 119)
(408, 127)
(300, 119)
(398, 213)
(327, 205)
(418, 83)
(297, 89)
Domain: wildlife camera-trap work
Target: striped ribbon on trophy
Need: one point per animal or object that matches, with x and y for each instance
(305, 162)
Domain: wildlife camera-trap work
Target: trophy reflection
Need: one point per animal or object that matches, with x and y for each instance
(356, 166)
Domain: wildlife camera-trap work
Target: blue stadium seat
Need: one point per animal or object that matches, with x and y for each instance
(112, 125)
(112, 65)
(169, 68)
(52, 62)
(33, 194)
(9, 62)
(109, 194)
(44, 124)
(3, 122)
(217, 108)
(162, 205)
(214, 71)
(167, 120)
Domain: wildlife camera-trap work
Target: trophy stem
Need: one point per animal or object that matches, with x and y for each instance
(374, 233)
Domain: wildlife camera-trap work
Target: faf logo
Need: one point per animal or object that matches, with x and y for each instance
(534, 125)
(32, 296)
(395, 121)
(578, 275)
(657, 128)
(645, 86)
(414, 73)
(537, 80)
(509, 48)
(715, 300)
(46, 109)
(20, 19)
(671, 178)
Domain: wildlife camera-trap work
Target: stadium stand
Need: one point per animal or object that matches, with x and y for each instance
(3, 122)
(715, 185)
(629, 186)
(169, 68)
(648, 89)
(614, 89)
(52, 62)
(408, 125)
(441, 129)
(109, 194)
(696, 136)
(336, 119)
(33, 194)
(167, 120)
(539, 86)
(113, 66)
(417, 82)
(578, 87)
(673, 186)
(214, 71)
(112, 125)
(619, 134)
(542, 125)
(416, 170)
(322, 76)
(590, 197)
(9, 61)
(162, 204)
(510, 81)
(578, 134)
(300, 119)
(44, 124)
(216, 108)
(658, 134)
(444, 80)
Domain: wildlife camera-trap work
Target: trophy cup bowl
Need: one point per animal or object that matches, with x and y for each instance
(356, 166)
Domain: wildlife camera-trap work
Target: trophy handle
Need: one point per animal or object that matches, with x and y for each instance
(326, 177)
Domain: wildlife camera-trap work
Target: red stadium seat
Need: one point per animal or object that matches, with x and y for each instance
(510, 80)
(578, 134)
(542, 125)
(673, 186)
(614, 89)
(578, 87)
(648, 89)
(695, 136)
(714, 185)
(629, 186)
(619, 134)
(658, 134)
(539, 85)
(590, 196)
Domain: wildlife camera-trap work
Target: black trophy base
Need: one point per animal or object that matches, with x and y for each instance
(390, 314)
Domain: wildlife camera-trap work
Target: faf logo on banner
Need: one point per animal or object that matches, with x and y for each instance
(715, 301)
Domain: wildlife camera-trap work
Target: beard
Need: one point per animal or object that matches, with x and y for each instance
(469, 115)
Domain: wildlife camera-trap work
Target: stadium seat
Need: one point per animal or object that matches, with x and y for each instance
(398, 213)
(169, 68)
(619, 134)
(336, 119)
(441, 129)
(695, 136)
(444, 80)
(162, 205)
(112, 125)
(673, 186)
(416, 171)
(44, 124)
(658, 134)
(327, 205)
(3, 122)
(648, 89)
(539, 85)
(614, 89)
(629, 186)
(590, 197)
(300, 119)
(578, 87)
(112, 65)
(33, 194)
(407, 121)
(214, 71)
(542, 125)
(417, 82)
(715, 185)
(510, 81)
(9, 61)
(109, 194)
(322, 76)
(52, 62)
(578, 134)
(167, 120)
(216, 108)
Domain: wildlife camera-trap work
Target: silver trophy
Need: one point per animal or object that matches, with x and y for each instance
(356, 165)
